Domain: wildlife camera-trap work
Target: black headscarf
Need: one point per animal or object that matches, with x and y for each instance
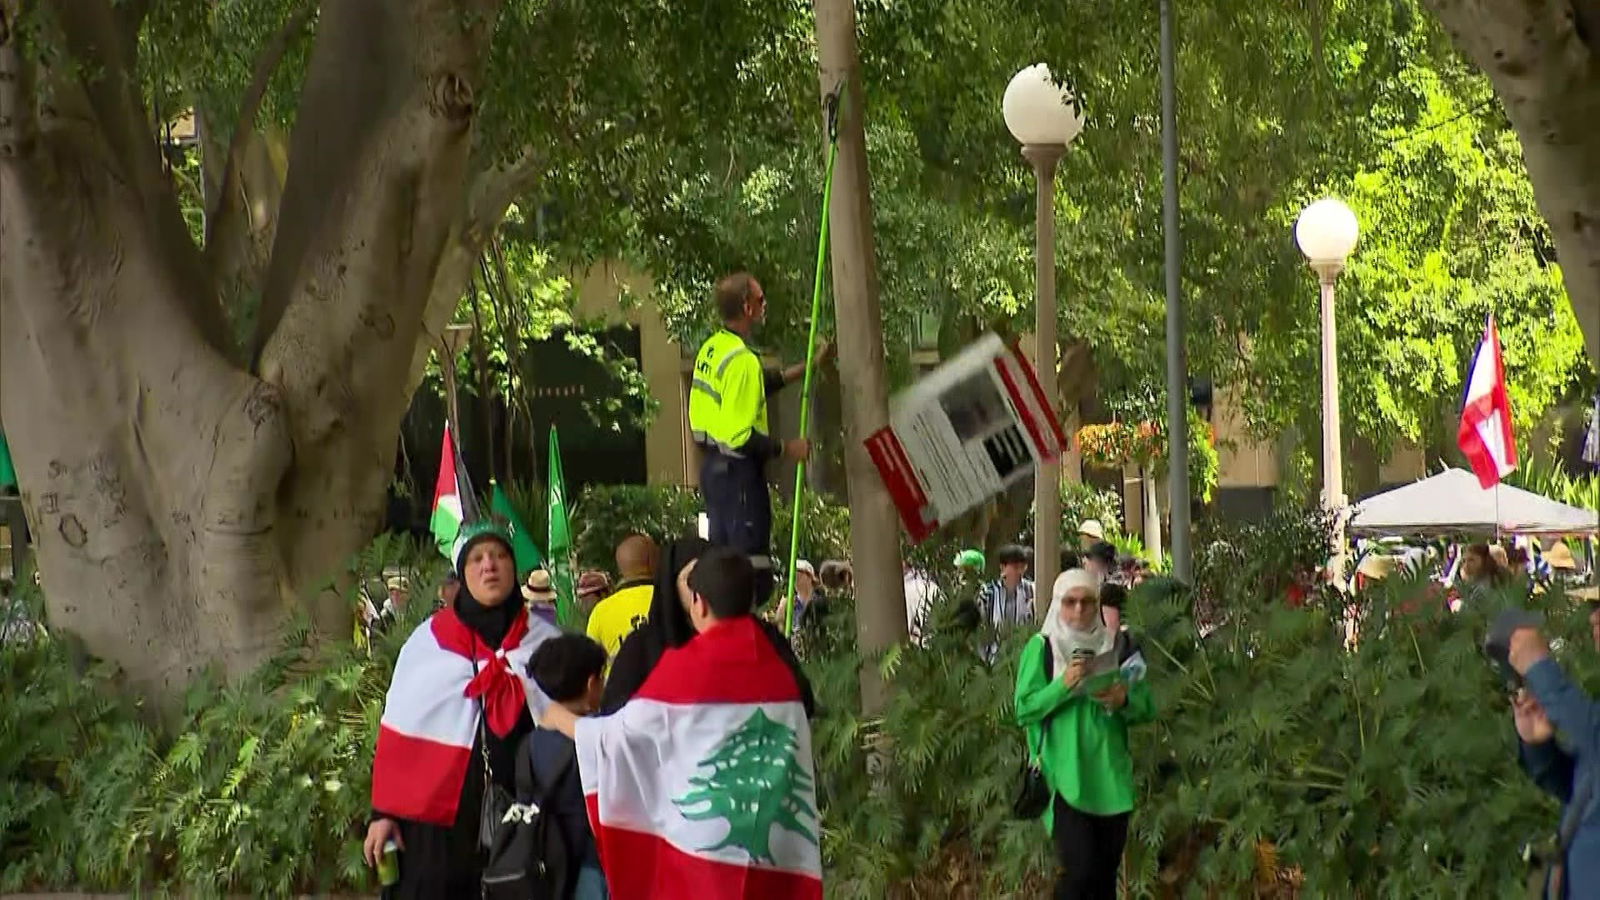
(667, 627)
(488, 622)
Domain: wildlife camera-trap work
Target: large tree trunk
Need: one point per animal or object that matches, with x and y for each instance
(1541, 56)
(874, 526)
(181, 501)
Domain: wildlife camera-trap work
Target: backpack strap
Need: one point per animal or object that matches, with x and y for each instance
(542, 789)
(525, 784)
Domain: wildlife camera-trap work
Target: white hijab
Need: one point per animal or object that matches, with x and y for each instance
(1064, 638)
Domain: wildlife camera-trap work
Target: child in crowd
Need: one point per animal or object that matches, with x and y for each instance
(569, 670)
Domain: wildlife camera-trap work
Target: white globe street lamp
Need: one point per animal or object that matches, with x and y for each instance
(1327, 232)
(1044, 118)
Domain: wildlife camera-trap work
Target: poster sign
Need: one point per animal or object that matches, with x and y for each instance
(968, 430)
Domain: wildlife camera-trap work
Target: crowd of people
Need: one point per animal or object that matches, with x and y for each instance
(486, 693)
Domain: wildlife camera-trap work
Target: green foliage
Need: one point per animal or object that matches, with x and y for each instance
(1451, 233)
(1582, 491)
(605, 514)
(259, 787)
(941, 820)
(1386, 771)
(1256, 562)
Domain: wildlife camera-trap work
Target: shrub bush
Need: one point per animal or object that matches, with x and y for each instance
(605, 514)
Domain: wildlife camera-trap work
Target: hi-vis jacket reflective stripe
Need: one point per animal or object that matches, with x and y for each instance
(727, 396)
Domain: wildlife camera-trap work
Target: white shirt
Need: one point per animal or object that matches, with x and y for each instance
(921, 595)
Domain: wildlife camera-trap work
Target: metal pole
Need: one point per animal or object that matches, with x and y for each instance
(1332, 462)
(1047, 481)
(1177, 364)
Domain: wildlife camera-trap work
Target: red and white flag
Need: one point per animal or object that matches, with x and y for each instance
(702, 787)
(1485, 435)
(430, 717)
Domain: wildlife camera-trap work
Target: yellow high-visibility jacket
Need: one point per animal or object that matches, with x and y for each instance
(728, 398)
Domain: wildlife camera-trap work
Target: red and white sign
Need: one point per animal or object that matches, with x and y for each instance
(974, 426)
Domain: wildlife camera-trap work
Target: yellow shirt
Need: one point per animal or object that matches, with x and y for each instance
(615, 617)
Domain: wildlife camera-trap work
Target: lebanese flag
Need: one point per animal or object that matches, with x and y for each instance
(1485, 435)
(702, 787)
(430, 717)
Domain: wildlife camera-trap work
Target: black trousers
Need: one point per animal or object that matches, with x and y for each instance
(1089, 851)
(740, 511)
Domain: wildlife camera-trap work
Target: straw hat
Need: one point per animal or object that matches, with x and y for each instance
(1092, 528)
(538, 589)
(1559, 556)
(1376, 566)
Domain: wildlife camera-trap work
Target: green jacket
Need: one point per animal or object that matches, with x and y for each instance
(1082, 749)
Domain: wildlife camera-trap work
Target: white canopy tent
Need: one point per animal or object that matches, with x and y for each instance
(1453, 503)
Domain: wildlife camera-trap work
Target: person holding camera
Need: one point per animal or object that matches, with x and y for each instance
(1569, 767)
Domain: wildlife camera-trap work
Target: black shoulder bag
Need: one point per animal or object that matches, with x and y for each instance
(1033, 793)
(497, 801)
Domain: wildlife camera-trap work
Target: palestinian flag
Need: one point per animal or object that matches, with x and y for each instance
(453, 500)
(702, 787)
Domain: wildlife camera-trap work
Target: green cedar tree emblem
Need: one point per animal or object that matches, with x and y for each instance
(755, 783)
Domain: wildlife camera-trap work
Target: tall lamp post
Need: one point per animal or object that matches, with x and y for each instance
(1326, 232)
(1044, 118)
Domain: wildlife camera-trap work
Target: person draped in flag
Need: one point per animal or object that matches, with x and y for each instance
(702, 787)
(728, 421)
(668, 626)
(458, 705)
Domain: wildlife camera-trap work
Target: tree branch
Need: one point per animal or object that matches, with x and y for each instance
(261, 76)
(104, 72)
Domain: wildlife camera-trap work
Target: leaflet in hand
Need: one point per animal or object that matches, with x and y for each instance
(1104, 672)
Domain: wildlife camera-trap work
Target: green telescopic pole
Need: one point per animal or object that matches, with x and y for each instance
(835, 102)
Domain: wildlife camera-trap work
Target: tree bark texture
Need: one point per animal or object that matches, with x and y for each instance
(184, 502)
(1543, 57)
(874, 526)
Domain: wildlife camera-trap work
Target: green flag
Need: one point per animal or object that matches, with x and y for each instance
(8, 475)
(560, 535)
(522, 545)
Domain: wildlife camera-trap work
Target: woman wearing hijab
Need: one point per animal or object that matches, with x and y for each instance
(1077, 728)
(458, 705)
(669, 626)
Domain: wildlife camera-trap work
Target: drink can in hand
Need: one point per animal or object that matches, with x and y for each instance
(389, 865)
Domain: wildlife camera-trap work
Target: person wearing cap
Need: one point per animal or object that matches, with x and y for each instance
(1558, 741)
(810, 603)
(1090, 532)
(728, 421)
(1559, 562)
(1100, 560)
(1077, 731)
(458, 705)
(539, 593)
(970, 561)
(592, 585)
